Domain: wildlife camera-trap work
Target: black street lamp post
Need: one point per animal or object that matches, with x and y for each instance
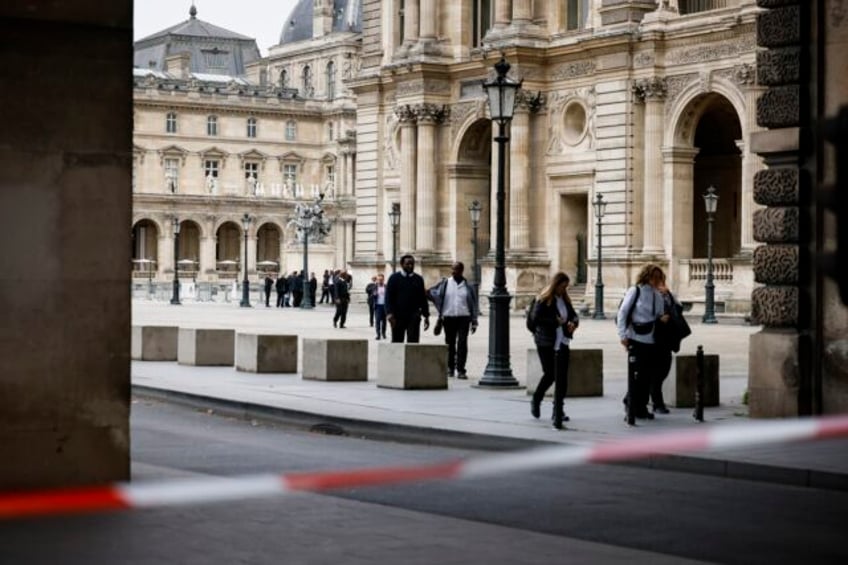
(394, 219)
(710, 203)
(475, 209)
(501, 92)
(175, 297)
(600, 208)
(245, 284)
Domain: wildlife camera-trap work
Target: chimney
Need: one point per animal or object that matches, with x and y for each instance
(179, 65)
(322, 18)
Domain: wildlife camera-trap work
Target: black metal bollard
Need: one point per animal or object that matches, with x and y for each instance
(699, 385)
(632, 375)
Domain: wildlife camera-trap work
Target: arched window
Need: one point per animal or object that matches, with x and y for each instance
(291, 130)
(212, 125)
(284, 79)
(331, 80)
(307, 82)
(251, 127)
(171, 123)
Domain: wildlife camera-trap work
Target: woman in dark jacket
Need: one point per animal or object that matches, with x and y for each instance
(555, 321)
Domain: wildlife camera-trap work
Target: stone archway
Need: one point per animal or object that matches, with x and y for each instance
(268, 247)
(470, 180)
(189, 248)
(228, 250)
(145, 248)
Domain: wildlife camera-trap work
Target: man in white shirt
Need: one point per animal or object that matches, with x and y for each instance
(457, 306)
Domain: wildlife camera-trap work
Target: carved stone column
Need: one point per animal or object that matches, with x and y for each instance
(410, 22)
(207, 253)
(428, 115)
(502, 13)
(522, 10)
(526, 103)
(652, 91)
(428, 20)
(408, 175)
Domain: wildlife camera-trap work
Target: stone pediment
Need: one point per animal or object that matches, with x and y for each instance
(173, 151)
(254, 155)
(214, 153)
(328, 158)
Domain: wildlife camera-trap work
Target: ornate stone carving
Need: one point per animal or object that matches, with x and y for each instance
(776, 264)
(429, 113)
(390, 149)
(710, 52)
(557, 103)
(643, 59)
(653, 88)
(776, 187)
(779, 66)
(409, 87)
(776, 225)
(461, 111)
(405, 114)
(779, 27)
(744, 74)
(775, 306)
(780, 107)
(571, 70)
(529, 100)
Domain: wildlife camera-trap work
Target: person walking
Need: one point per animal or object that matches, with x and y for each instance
(642, 307)
(369, 296)
(269, 284)
(380, 306)
(457, 307)
(280, 287)
(297, 289)
(313, 288)
(406, 303)
(670, 330)
(341, 289)
(325, 288)
(555, 320)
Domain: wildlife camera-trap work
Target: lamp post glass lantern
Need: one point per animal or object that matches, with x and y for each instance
(501, 91)
(175, 295)
(394, 219)
(476, 210)
(710, 204)
(245, 284)
(600, 209)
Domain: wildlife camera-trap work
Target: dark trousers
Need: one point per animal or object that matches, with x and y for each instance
(325, 295)
(297, 298)
(563, 358)
(663, 366)
(380, 319)
(646, 364)
(371, 312)
(268, 297)
(280, 299)
(341, 313)
(547, 357)
(456, 336)
(409, 328)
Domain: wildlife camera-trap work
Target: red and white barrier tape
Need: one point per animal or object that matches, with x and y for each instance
(124, 496)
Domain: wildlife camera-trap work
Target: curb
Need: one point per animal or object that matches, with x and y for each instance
(400, 433)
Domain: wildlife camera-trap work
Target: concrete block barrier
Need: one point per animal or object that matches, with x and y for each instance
(266, 353)
(335, 359)
(585, 373)
(679, 386)
(154, 343)
(202, 346)
(412, 366)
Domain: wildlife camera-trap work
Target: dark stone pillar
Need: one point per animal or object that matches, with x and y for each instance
(65, 217)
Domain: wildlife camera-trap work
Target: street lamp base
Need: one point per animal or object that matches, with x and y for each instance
(499, 385)
(709, 320)
(176, 302)
(599, 316)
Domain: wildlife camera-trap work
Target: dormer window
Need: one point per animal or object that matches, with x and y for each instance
(215, 59)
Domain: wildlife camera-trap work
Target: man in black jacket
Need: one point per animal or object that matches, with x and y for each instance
(281, 287)
(269, 284)
(406, 303)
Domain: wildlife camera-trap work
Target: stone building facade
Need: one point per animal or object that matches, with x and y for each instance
(646, 103)
(217, 137)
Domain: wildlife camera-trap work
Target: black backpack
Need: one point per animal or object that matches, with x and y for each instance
(530, 316)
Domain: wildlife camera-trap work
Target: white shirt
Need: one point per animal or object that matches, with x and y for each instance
(455, 302)
(561, 339)
(381, 294)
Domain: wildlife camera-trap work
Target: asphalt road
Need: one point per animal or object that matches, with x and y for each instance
(597, 514)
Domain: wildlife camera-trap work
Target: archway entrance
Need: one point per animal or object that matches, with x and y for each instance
(470, 180)
(228, 251)
(145, 250)
(268, 248)
(718, 163)
(189, 247)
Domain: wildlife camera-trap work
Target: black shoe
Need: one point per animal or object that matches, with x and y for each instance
(341, 326)
(462, 375)
(644, 415)
(378, 338)
(535, 408)
(335, 322)
(661, 410)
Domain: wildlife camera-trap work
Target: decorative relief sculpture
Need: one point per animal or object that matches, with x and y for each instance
(571, 120)
(653, 88)
(571, 70)
(430, 113)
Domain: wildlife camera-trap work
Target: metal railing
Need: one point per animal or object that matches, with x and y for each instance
(686, 7)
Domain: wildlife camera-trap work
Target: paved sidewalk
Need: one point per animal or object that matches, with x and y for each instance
(467, 416)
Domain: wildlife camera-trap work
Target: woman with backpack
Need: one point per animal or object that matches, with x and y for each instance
(642, 308)
(553, 320)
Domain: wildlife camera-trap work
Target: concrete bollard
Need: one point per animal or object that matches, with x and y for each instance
(202, 346)
(679, 386)
(154, 343)
(585, 373)
(411, 366)
(335, 359)
(266, 353)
